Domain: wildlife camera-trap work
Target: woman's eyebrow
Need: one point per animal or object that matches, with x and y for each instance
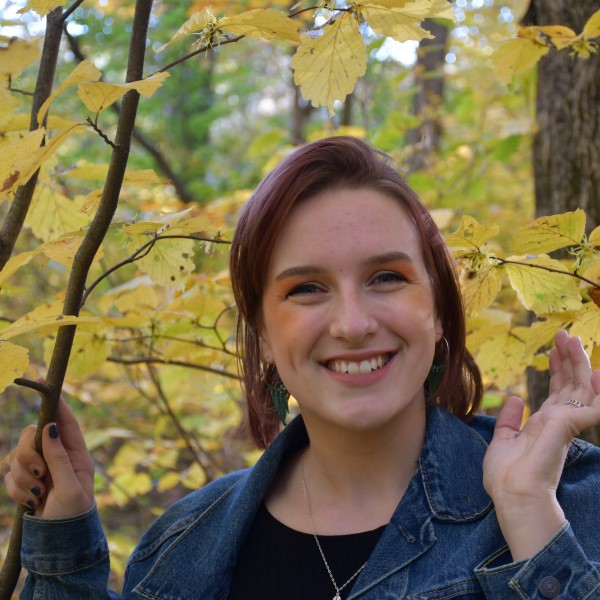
(299, 271)
(389, 257)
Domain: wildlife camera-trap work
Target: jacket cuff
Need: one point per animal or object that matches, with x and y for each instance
(53, 546)
(559, 570)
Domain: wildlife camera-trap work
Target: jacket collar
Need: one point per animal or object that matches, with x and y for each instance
(451, 448)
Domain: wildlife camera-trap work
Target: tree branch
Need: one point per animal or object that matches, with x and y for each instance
(91, 241)
(179, 184)
(173, 363)
(20, 205)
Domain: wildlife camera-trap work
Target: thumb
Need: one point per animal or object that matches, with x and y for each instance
(69, 498)
(509, 420)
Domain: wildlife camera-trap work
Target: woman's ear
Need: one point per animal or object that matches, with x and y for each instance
(266, 353)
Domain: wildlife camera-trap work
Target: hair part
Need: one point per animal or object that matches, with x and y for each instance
(328, 164)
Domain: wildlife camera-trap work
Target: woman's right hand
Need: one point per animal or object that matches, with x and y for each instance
(62, 483)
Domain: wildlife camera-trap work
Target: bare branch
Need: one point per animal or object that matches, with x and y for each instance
(72, 9)
(173, 363)
(42, 388)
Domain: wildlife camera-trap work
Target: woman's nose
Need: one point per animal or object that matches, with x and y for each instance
(352, 318)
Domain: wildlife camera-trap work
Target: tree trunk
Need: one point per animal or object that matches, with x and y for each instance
(566, 152)
(429, 96)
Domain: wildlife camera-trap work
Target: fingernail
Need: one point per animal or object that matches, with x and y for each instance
(31, 504)
(53, 431)
(36, 491)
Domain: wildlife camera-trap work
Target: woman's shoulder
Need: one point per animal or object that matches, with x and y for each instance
(178, 517)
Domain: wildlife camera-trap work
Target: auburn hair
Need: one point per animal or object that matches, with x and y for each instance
(330, 164)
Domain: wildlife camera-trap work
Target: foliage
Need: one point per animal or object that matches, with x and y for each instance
(152, 367)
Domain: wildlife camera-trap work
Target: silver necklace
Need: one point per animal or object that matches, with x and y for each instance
(314, 532)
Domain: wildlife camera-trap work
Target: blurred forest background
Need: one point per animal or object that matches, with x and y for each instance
(152, 374)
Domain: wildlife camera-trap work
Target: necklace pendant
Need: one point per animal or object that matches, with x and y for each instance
(337, 597)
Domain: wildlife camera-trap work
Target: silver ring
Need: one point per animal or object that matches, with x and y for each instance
(574, 402)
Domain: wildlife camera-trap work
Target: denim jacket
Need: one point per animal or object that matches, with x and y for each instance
(443, 541)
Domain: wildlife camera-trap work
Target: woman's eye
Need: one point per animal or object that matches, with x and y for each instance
(389, 277)
(304, 289)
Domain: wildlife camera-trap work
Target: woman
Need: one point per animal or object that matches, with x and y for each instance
(387, 486)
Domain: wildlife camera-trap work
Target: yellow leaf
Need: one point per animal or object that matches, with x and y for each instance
(586, 325)
(8, 103)
(550, 233)
(197, 22)
(471, 235)
(157, 226)
(169, 263)
(502, 359)
(14, 361)
(41, 7)
(441, 9)
(399, 20)
(63, 249)
(17, 160)
(39, 320)
(594, 238)
(90, 351)
(15, 263)
(592, 27)
(52, 214)
(481, 290)
(84, 71)
(194, 477)
(267, 24)
(326, 67)
(595, 358)
(541, 333)
(97, 96)
(516, 55)
(18, 55)
(560, 36)
(99, 171)
(168, 481)
(541, 290)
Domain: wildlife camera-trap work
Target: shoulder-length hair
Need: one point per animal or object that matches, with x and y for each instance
(328, 164)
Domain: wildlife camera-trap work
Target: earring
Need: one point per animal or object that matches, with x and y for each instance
(436, 372)
(280, 398)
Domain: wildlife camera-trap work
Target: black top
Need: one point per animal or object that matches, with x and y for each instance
(277, 562)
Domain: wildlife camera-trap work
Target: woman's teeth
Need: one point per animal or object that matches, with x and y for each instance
(364, 366)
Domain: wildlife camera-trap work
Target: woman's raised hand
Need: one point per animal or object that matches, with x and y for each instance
(62, 483)
(523, 466)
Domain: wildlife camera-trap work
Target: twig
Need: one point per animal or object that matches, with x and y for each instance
(173, 363)
(99, 131)
(72, 9)
(42, 388)
(18, 91)
(505, 261)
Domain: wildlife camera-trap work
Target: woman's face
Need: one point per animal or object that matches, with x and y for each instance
(348, 313)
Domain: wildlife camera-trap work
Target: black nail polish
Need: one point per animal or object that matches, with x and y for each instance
(31, 504)
(36, 491)
(53, 431)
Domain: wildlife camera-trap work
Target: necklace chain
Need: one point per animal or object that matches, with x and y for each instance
(314, 533)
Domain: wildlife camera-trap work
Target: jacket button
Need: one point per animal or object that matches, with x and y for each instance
(549, 587)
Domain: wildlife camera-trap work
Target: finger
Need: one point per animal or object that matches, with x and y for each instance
(57, 459)
(557, 356)
(25, 457)
(72, 438)
(508, 423)
(581, 368)
(30, 497)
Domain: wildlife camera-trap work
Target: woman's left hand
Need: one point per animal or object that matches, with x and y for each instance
(523, 466)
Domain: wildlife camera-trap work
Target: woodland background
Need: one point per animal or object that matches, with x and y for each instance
(504, 152)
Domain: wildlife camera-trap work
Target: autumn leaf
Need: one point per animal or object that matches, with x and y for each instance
(400, 19)
(14, 361)
(541, 333)
(587, 326)
(471, 235)
(550, 233)
(502, 359)
(267, 24)
(63, 249)
(17, 159)
(559, 35)
(516, 55)
(15, 263)
(41, 7)
(169, 263)
(97, 96)
(541, 290)
(481, 289)
(18, 55)
(84, 71)
(327, 66)
(592, 27)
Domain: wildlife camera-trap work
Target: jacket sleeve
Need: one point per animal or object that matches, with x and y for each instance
(66, 559)
(560, 570)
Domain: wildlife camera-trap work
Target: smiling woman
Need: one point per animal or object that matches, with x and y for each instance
(388, 484)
